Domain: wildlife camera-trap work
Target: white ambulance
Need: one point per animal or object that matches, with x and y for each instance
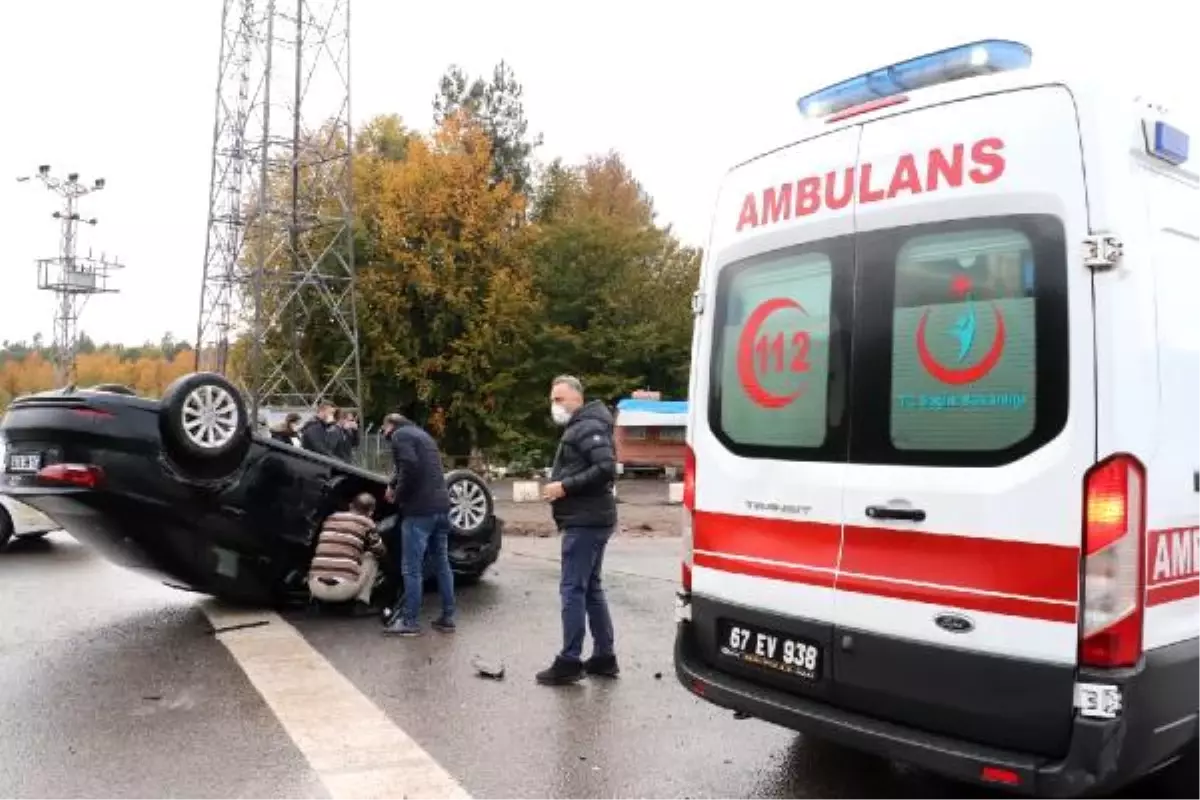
(942, 483)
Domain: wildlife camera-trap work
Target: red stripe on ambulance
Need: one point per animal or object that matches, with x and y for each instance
(803, 544)
(1028, 569)
(835, 190)
(1024, 579)
(1026, 608)
(788, 573)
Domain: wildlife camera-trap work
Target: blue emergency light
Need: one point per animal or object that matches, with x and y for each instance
(964, 61)
(1167, 143)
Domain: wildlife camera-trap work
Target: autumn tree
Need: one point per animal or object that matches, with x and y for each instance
(446, 306)
(147, 369)
(477, 280)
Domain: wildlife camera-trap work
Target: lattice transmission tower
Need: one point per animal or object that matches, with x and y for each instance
(72, 278)
(279, 256)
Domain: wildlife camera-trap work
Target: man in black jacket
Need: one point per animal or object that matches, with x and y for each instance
(418, 488)
(585, 510)
(314, 435)
(343, 435)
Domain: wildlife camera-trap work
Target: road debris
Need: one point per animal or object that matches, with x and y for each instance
(241, 626)
(488, 669)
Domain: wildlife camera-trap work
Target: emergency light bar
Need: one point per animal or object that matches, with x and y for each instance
(964, 61)
(1166, 142)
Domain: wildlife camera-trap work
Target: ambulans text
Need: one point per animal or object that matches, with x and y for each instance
(914, 174)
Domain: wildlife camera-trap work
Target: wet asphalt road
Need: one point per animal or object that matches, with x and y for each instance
(114, 686)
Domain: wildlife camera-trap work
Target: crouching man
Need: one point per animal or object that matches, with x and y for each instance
(349, 551)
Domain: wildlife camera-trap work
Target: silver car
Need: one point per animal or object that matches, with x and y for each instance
(18, 520)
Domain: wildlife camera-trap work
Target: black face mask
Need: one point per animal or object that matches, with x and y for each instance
(387, 434)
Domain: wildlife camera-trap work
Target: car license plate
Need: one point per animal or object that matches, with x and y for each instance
(791, 655)
(24, 462)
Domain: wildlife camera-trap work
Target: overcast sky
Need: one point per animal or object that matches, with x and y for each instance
(123, 90)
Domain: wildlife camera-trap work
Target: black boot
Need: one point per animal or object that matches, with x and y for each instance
(561, 672)
(605, 666)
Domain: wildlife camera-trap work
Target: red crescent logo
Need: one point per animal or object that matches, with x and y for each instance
(957, 377)
(745, 354)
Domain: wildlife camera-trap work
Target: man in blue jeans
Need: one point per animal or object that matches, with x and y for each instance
(418, 488)
(585, 510)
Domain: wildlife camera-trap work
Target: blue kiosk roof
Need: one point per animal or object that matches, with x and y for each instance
(653, 406)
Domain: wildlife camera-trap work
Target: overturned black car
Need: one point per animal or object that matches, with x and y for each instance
(185, 489)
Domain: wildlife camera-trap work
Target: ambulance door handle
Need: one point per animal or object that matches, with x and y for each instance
(891, 512)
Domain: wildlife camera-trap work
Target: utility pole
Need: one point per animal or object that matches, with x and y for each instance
(72, 278)
(279, 255)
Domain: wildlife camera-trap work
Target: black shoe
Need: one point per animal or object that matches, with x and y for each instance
(443, 625)
(561, 673)
(605, 666)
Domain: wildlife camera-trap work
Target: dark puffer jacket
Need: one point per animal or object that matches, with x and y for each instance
(586, 465)
(314, 436)
(343, 441)
(419, 482)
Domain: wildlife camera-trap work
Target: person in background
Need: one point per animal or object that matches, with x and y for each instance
(344, 435)
(585, 510)
(418, 488)
(288, 431)
(348, 555)
(315, 435)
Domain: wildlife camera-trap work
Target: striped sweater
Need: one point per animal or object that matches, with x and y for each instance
(344, 538)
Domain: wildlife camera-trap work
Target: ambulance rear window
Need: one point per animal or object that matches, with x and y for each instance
(957, 331)
(778, 382)
(961, 342)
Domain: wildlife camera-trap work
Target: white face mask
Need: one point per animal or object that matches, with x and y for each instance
(560, 414)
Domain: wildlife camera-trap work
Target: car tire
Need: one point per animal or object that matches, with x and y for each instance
(6, 529)
(471, 502)
(204, 425)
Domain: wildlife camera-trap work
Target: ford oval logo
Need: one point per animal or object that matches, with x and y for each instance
(954, 623)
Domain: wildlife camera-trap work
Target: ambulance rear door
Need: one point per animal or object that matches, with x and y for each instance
(770, 425)
(974, 422)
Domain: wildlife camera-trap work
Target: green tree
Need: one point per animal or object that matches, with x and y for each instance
(499, 107)
(613, 288)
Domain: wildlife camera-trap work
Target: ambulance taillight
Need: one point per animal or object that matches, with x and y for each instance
(1113, 568)
(689, 507)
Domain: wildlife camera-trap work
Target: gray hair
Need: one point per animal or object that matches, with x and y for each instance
(570, 381)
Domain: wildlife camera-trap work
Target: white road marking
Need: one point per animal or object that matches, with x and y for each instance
(354, 748)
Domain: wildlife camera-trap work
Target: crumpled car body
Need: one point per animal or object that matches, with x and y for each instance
(183, 488)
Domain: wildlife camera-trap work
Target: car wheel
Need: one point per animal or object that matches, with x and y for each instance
(204, 424)
(6, 529)
(471, 503)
